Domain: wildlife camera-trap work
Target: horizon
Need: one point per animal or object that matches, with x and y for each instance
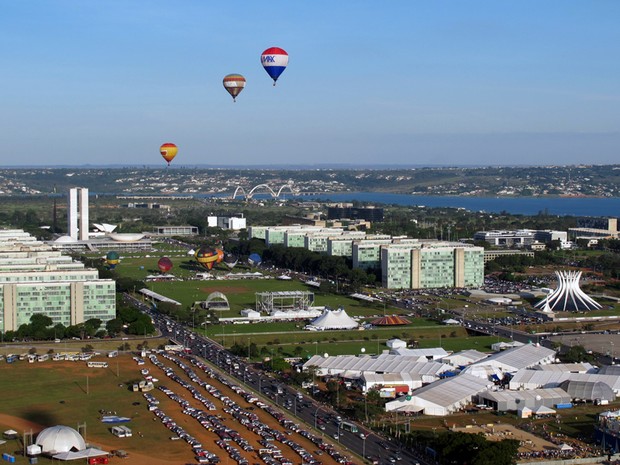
(300, 166)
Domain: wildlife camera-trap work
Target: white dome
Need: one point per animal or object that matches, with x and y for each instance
(126, 237)
(58, 439)
(65, 239)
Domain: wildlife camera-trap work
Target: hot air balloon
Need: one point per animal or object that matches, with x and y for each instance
(168, 151)
(274, 60)
(254, 259)
(164, 264)
(220, 255)
(234, 84)
(230, 260)
(207, 257)
(112, 259)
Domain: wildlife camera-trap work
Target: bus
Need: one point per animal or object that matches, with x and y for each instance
(92, 364)
(348, 426)
(121, 431)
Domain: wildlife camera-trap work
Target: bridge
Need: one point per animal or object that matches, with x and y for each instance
(263, 189)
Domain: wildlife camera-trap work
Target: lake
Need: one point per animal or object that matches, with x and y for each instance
(575, 206)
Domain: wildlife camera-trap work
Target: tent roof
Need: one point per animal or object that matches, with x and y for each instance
(450, 391)
(542, 410)
(82, 454)
(335, 319)
(384, 363)
(519, 357)
(588, 390)
(548, 378)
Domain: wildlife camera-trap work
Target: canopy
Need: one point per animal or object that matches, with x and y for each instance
(542, 410)
(393, 320)
(81, 454)
(334, 319)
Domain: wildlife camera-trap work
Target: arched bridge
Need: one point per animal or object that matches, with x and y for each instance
(263, 189)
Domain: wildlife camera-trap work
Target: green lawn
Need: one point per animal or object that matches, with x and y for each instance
(285, 336)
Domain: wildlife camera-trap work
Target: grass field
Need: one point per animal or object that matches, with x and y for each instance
(70, 393)
(283, 337)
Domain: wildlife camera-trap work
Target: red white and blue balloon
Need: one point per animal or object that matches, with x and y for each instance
(274, 60)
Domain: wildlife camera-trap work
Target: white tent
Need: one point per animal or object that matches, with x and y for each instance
(10, 434)
(334, 319)
(33, 449)
(542, 410)
(249, 313)
(396, 343)
(81, 454)
(564, 447)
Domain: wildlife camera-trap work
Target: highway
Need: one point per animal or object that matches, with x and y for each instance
(326, 421)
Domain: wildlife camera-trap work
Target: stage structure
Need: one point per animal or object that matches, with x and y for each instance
(283, 301)
(216, 301)
(568, 296)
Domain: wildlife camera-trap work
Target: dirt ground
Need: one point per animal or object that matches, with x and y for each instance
(499, 431)
(150, 443)
(19, 424)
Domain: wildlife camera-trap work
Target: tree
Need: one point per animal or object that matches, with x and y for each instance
(91, 326)
(114, 326)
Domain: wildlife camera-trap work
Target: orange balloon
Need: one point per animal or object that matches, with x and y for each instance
(168, 151)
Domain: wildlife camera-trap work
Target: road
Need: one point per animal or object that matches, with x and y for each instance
(323, 418)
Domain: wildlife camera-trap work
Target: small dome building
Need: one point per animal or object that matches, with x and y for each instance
(56, 439)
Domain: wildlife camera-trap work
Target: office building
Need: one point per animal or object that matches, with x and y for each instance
(431, 266)
(35, 279)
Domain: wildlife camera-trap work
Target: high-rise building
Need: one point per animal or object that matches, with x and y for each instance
(431, 266)
(77, 213)
(35, 279)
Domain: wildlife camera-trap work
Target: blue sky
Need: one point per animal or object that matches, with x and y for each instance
(392, 82)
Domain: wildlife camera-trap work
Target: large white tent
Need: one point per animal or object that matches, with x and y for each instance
(334, 319)
(517, 358)
(352, 366)
(442, 397)
(56, 439)
(534, 379)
